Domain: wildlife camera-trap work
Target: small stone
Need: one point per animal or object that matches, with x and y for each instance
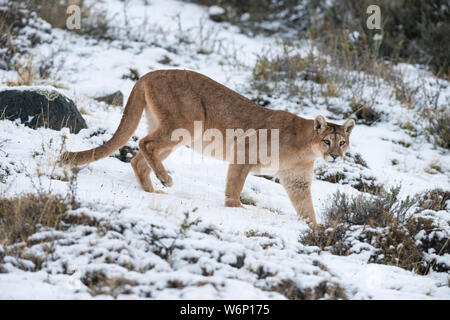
(115, 99)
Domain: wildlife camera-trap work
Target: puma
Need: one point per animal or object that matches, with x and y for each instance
(174, 99)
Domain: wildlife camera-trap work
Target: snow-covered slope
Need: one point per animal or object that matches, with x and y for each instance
(185, 243)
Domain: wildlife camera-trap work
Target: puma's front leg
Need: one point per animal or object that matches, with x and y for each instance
(237, 173)
(297, 183)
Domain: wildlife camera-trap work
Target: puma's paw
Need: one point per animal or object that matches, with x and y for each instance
(159, 191)
(233, 203)
(166, 181)
(148, 189)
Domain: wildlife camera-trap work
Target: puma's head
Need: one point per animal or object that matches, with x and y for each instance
(332, 140)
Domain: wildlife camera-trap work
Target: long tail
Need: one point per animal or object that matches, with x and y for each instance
(128, 124)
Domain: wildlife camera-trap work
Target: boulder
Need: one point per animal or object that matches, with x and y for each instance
(115, 99)
(37, 107)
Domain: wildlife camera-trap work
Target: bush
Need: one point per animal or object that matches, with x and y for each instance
(328, 237)
(379, 224)
(380, 210)
(438, 127)
(352, 171)
(434, 200)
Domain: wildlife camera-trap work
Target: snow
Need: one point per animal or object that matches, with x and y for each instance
(228, 253)
(216, 10)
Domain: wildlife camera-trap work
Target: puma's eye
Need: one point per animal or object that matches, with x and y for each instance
(341, 143)
(327, 142)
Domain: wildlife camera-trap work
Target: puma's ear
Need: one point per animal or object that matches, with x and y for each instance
(320, 124)
(348, 126)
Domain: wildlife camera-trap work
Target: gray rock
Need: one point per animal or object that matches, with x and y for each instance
(115, 99)
(41, 108)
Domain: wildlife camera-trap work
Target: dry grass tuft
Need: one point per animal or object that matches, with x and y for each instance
(22, 216)
(281, 71)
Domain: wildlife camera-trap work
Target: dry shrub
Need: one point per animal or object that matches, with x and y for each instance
(379, 210)
(362, 183)
(26, 74)
(99, 284)
(409, 242)
(438, 127)
(282, 71)
(353, 173)
(364, 113)
(324, 290)
(329, 237)
(22, 216)
(399, 246)
(435, 199)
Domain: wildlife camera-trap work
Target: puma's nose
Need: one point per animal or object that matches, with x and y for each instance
(334, 156)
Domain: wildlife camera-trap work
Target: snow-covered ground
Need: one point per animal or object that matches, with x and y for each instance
(227, 253)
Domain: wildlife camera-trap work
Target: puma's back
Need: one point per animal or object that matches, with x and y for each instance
(190, 96)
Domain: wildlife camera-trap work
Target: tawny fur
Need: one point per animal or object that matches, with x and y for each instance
(174, 99)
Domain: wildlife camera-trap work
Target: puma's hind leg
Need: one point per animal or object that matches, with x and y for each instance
(142, 170)
(154, 148)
